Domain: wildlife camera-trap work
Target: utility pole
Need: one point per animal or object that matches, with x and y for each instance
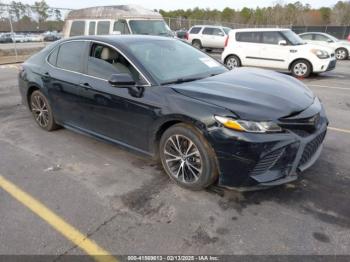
(12, 33)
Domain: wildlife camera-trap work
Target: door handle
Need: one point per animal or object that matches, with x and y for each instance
(85, 85)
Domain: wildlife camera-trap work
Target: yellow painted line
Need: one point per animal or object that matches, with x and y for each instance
(68, 231)
(339, 129)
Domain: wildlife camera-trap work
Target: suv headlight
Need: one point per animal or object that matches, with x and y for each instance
(248, 126)
(321, 54)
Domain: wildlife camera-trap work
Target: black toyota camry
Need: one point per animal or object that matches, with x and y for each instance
(246, 128)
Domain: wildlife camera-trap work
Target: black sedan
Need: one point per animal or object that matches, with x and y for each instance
(246, 128)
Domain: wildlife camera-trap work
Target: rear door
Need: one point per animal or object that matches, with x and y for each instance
(62, 81)
(248, 46)
(218, 38)
(207, 37)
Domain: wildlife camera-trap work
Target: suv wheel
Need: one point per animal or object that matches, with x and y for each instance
(232, 61)
(187, 157)
(197, 44)
(301, 68)
(341, 54)
(41, 110)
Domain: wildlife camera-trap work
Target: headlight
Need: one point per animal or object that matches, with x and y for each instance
(320, 53)
(248, 126)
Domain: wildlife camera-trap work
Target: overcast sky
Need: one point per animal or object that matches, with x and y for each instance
(179, 4)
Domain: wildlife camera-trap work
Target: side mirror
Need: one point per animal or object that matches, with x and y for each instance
(282, 42)
(121, 80)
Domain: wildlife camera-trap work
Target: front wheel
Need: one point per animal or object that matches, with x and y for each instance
(187, 157)
(301, 68)
(232, 62)
(341, 54)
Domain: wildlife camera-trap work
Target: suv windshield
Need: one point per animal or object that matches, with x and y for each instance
(293, 38)
(172, 61)
(150, 27)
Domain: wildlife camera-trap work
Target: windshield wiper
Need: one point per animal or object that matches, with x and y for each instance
(182, 80)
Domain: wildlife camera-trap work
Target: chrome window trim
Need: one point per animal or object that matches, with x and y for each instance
(99, 42)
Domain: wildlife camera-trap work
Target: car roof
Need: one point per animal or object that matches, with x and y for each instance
(259, 29)
(220, 26)
(120, 39)
(319, 33)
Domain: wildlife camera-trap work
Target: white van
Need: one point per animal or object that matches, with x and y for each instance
(275, 48)
(118, 19)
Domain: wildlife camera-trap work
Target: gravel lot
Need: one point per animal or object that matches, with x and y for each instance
(128, 205)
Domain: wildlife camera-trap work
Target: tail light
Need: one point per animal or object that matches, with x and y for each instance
(186, 36)
(226, 41)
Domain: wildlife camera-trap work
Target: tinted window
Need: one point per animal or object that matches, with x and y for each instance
(121, 26)
(103, 27)
(306, 37)
(250, 37)
(271, 38)
(53, 57)
(105, 61)
(150, 27)
(217, 31)
(321, 38)
(208, 31)
(77, 28)
(70, 56)
(92, 27)
(195, 30)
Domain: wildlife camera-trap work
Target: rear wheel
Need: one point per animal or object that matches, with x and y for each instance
(187, 157)
(41, 110)
(232, 62)
(301, 68)
(341, 54)
(197, 44)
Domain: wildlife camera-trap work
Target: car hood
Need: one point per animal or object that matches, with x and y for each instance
(251, 93)
(324, 46)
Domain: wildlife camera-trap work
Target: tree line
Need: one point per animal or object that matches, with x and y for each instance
(279, 13)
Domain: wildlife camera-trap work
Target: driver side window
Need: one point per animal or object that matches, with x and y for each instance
(104, 61)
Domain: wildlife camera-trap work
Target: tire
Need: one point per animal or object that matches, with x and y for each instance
(208, 50)
(195, 169)
(42, 112)
(341, 54)
(232, 62)
(301, 68)
(197, 44)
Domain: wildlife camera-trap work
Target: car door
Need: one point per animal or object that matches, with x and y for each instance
(248, 48)
(218, 38)
(272, 54)
(62, 80)
(207, 37)
(112, 112)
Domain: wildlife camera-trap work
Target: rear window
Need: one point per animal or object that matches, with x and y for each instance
(53, 57)
(208, 31)
(249, 37)
(272, 38)
(103, 27)
(195, 30)
(77, 28)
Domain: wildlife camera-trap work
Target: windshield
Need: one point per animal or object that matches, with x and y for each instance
(174, 61)
(293, 38)
(150, 27)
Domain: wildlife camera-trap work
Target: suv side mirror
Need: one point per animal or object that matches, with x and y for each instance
(282, 42)
(121, 80)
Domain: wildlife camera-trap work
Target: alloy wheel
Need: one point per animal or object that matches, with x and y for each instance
(340, 54)
(183, 159)
(40, 110)
(300, 69)
(231, 63)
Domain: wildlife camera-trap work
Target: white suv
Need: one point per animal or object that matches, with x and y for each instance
(279, 49)
(207, 36)
(342, 48)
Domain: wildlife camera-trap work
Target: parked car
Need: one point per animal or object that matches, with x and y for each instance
(278, 49)
(207, 36)
(19, 38)
(118, 19)
(35, 38)
(342, 48)
(51, 37)
(6, 38)
(181, 34)
(161, 97)
(349, 37)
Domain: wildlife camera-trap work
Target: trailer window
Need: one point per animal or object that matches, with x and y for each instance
(121, 26)
(92, 27)
(103, 27)
(77, 28)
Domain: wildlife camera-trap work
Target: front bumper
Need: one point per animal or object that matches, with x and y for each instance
(324, 65)
(253, 161)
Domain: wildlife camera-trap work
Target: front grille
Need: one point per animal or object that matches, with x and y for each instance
(302, 127)
(311, 148)
(267, 162)
(332, 54)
